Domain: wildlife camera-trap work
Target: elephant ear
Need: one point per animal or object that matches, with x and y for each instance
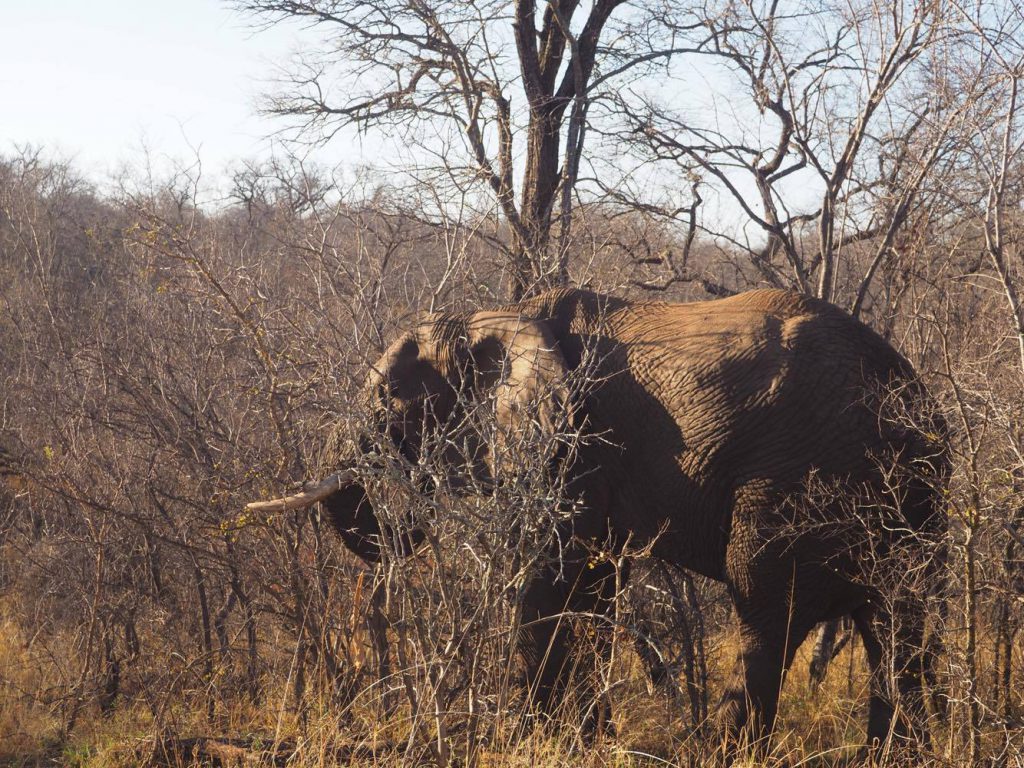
(518, 360)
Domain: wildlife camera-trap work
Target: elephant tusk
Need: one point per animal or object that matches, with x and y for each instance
(309, 496)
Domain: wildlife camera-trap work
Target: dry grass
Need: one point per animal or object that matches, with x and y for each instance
(27, 727)
(816, 727)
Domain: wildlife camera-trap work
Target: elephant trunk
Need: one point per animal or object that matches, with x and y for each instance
(308, 496)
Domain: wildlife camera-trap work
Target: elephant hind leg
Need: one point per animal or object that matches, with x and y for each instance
(778, 602)
(893, 642)
(769, 638)
(880, 709)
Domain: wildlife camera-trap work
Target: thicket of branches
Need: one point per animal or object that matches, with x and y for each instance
(164, 361)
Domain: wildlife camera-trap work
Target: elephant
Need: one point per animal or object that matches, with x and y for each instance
(715, 419)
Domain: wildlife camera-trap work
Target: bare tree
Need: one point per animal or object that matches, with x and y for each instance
(826, 133)
(493, 75)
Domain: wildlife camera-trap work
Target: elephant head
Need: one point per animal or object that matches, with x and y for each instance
(421, 393)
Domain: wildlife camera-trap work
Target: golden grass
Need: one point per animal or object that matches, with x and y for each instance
(27, 726)
(815, 727)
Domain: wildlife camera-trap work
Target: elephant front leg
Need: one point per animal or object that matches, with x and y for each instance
(560, 661)
(377, 629)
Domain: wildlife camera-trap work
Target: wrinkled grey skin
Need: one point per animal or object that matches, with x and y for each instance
(713, 416)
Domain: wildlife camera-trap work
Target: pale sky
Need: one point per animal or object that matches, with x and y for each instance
(95, 80)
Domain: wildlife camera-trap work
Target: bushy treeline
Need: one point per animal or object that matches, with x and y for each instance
(165, 362)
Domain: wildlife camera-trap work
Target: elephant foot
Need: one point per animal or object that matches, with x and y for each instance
(742, 730)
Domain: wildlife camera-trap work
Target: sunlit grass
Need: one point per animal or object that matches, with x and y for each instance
(816, 726)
